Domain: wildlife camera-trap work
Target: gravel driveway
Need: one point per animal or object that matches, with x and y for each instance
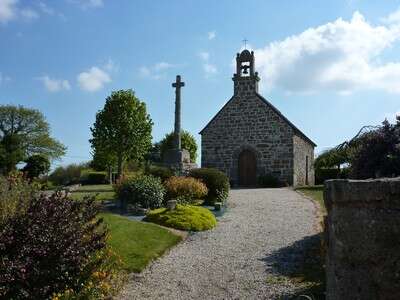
(234, 260)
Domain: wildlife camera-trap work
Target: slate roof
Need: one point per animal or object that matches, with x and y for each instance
(269, 104)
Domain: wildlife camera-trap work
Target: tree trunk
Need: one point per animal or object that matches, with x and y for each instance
(110, 175)
(120, 162)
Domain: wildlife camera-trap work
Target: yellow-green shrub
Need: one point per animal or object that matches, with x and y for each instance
(185, 189)
(183, 217)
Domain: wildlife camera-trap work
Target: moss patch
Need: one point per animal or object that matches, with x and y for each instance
(184, 217)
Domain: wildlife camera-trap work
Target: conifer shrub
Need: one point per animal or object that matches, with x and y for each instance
(183, 217)
(216, 181)
(50, 248)
(185, 189)
(145, 191)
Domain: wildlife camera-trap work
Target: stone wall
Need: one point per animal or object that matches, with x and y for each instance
(246, 122)
(363, 234)
(303, 158)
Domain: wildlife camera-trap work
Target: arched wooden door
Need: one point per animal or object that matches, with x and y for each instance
(247, 169)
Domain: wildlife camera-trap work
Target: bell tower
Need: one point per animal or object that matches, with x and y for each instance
(245, 80)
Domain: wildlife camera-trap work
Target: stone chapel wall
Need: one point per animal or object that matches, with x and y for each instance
(246, 122)
(363, 237)
(303, 152)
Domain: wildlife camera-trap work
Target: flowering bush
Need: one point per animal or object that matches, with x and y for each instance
(50, 248)
(15, 193)
(185, 189)
(146, 191)
(102, 283)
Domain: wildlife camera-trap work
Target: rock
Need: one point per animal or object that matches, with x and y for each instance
(171, 204)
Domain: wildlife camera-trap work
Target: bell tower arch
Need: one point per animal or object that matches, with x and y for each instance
(245, 79)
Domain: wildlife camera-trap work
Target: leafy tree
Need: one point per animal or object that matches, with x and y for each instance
(24, 132)
(376, 153)
(331, 158)
(11, 152)
(36, 165)
(122, 128)
(188, 143)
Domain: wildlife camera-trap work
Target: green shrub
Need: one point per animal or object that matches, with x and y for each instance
(326, 173)
(146, 191)
(70, 174)
(216, 181)
(92, 177)
(163, 173)
(269, 181)
(184, 217)
(185, 189)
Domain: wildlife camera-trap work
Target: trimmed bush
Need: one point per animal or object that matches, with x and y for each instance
(50, 248)
(269, 181)
(216, 181)
(163, 173)
(184, 217)
(93, 177)
(185, 189)
(145, 191)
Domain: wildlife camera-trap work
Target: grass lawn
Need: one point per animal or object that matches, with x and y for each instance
(315, 192)
(137, 243)
(99, 191)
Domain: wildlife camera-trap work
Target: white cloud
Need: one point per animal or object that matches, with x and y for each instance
(209, 69)
(45, 8)
(29, 14)
(204, 55)
(155, 71)
(212, 35)
(55, 85)
(8, 10)
(93, 79)
(393, 17)
(88, 3)
(342, 56)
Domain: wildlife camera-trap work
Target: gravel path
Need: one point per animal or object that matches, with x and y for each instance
(234, 260)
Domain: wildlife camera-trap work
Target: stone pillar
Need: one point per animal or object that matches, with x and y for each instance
(363, 237)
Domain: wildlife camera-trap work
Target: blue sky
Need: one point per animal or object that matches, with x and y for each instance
(329, 66)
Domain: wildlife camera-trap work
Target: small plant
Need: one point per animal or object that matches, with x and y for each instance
(216, 181)
(185, 189)
(146, 191)
(183, 217)
(50, 248)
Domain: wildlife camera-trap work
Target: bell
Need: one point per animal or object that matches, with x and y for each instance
(245, 70)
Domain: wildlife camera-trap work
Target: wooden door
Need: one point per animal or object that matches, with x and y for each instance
(247, 169)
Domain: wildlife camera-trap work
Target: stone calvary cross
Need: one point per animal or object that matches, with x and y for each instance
(178, 84)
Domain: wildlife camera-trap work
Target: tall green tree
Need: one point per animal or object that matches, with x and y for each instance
(36, 165)
(122, 128)
(24, 132)
(188, 143)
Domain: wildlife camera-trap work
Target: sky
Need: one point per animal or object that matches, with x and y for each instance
(330, 67)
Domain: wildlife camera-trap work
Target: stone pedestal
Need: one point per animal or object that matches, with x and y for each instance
(178, 160)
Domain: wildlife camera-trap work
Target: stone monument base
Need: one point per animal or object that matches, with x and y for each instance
(178, 160)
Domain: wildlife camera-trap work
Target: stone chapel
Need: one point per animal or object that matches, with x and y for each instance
(250, 137)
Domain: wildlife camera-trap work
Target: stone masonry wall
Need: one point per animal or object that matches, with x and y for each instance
(246, 122)
(363, 234)
(302, 150)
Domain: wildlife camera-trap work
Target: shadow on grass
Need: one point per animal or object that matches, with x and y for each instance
(301, 264)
